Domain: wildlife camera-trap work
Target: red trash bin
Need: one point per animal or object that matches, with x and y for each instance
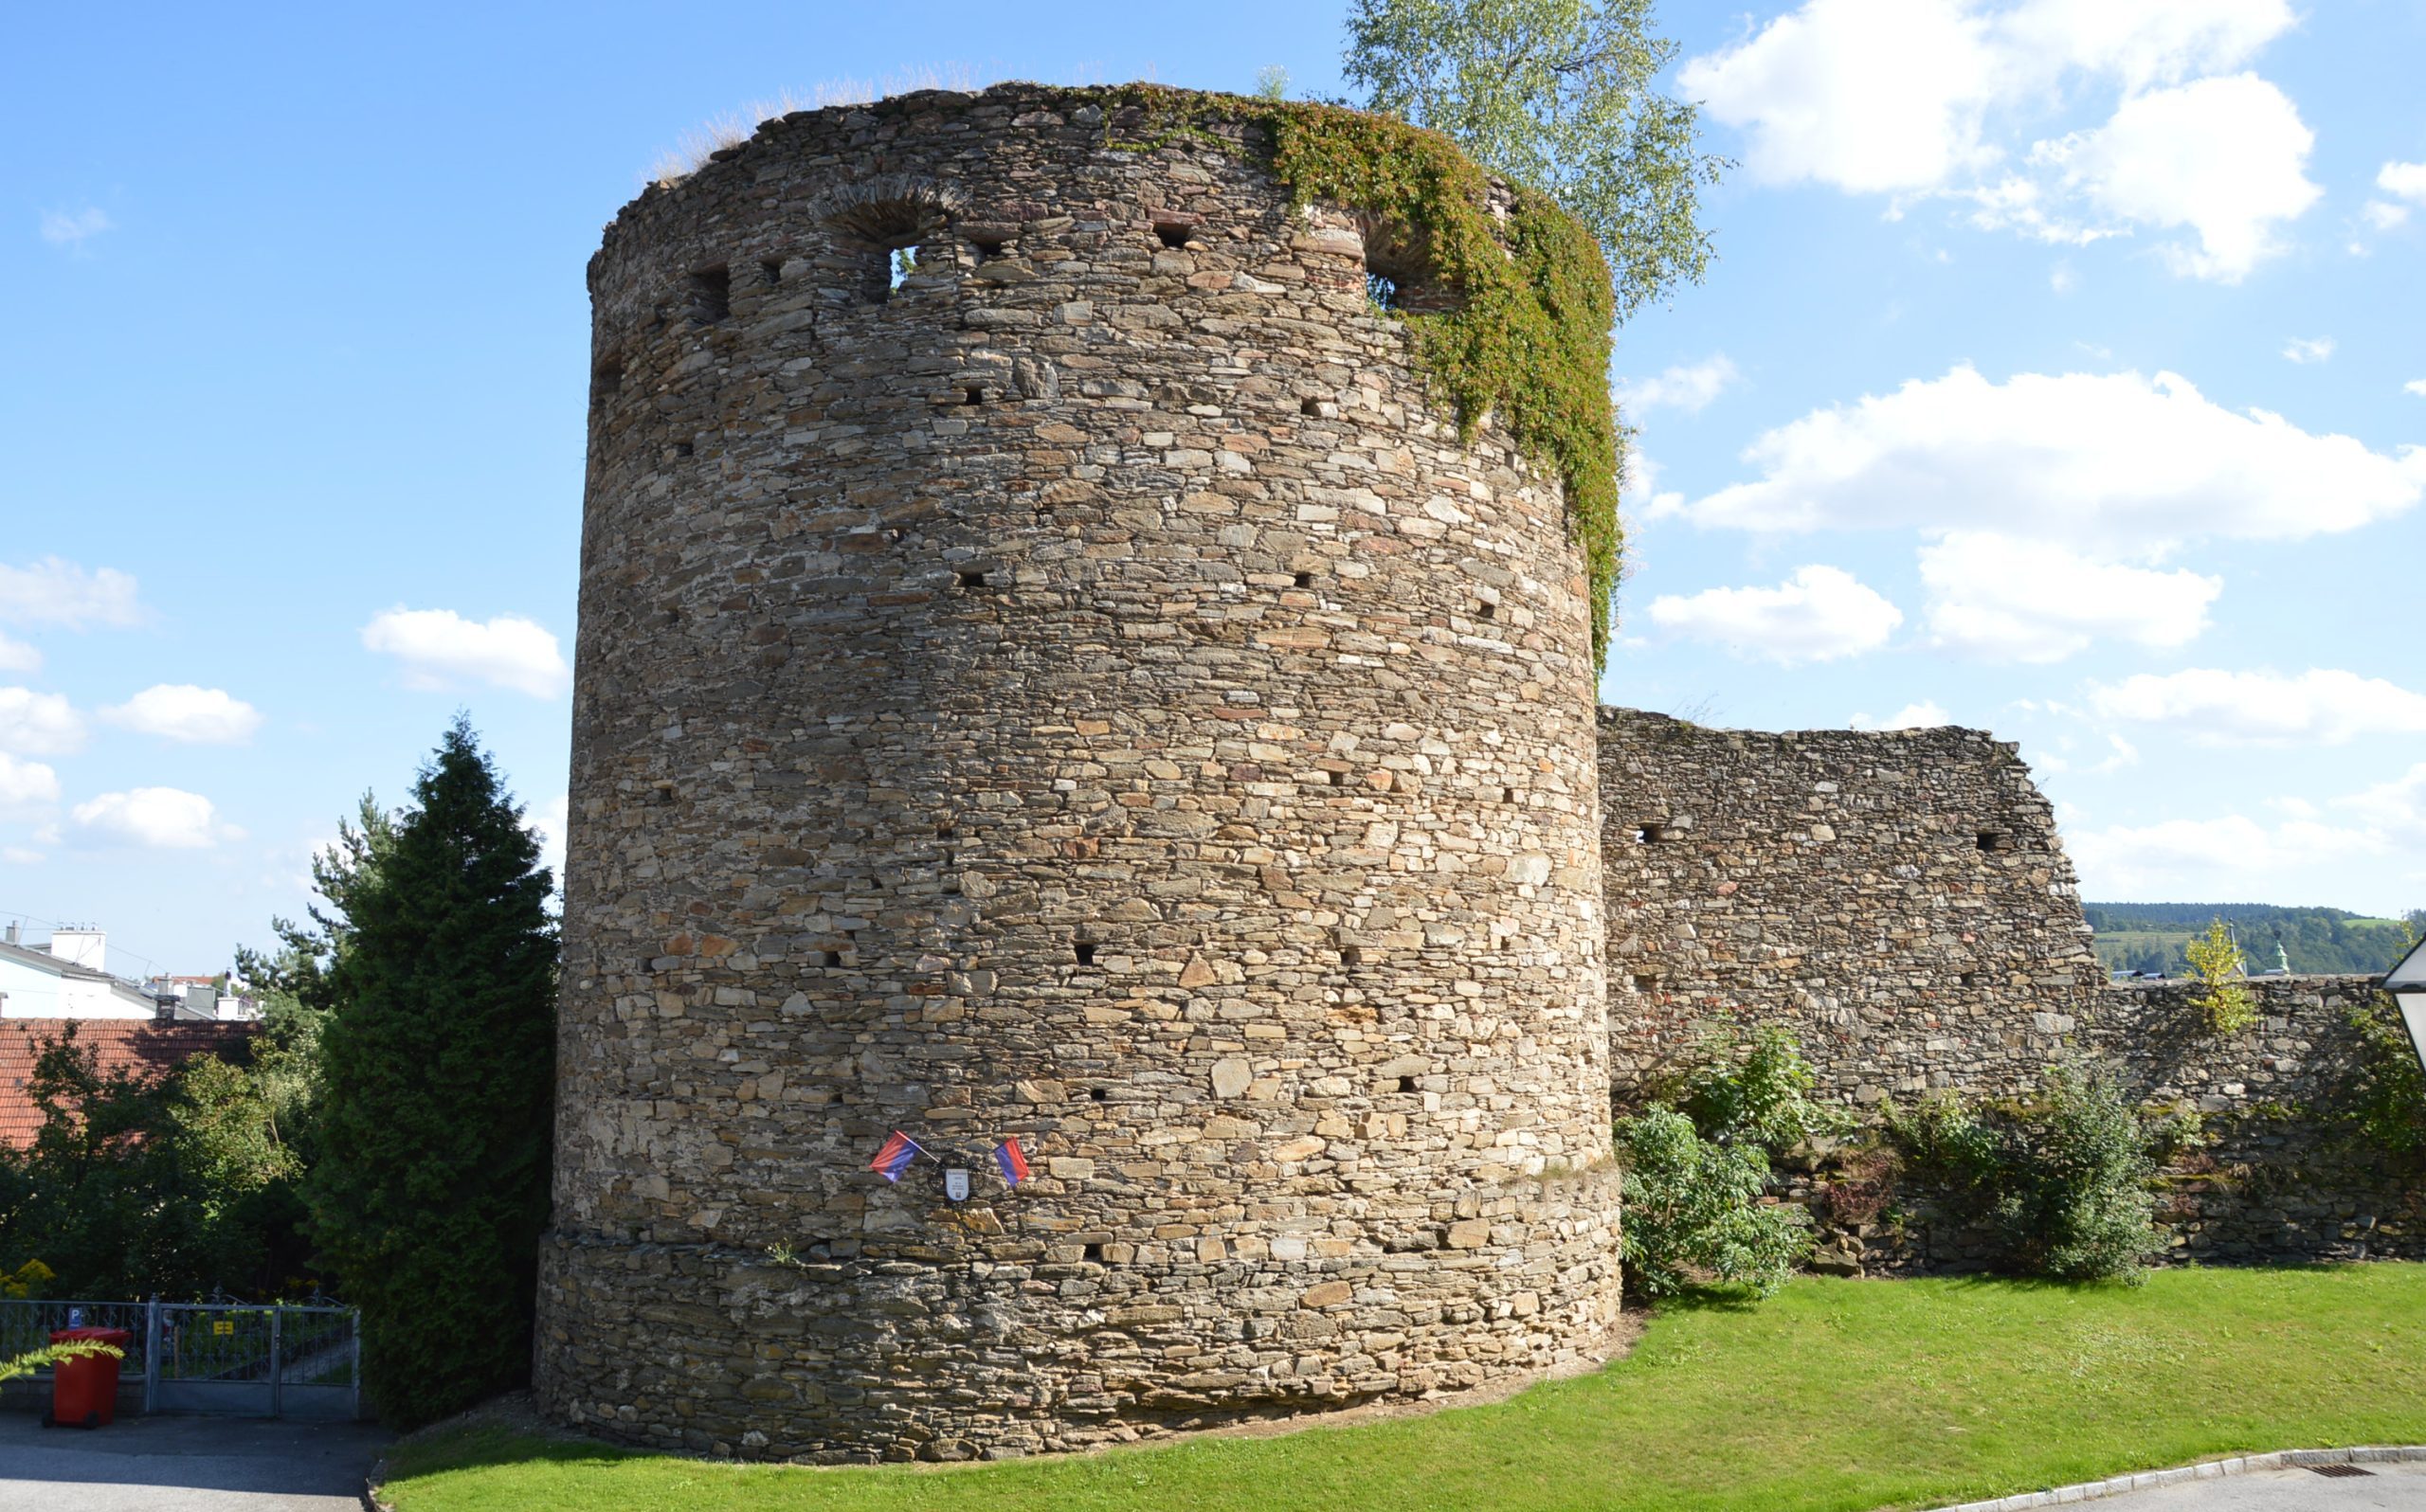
(84, 1391)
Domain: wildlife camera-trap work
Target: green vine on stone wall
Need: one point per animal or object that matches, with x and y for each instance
(1527, 341)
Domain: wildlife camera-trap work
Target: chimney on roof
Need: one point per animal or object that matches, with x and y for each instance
(12, 931)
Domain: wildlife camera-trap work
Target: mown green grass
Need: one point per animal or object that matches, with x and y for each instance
(1833, 1397)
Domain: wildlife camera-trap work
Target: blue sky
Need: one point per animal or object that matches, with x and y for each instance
(2063, 372)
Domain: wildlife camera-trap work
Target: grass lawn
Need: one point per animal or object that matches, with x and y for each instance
(1833, 1397)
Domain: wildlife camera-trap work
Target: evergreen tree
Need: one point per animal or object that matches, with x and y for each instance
(438, 1065)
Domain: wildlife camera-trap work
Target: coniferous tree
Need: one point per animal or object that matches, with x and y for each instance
(437, 1063)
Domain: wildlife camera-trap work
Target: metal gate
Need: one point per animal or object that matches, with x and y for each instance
(281, 1361)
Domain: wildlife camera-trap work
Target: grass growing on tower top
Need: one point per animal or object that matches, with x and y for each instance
(1833, 1396)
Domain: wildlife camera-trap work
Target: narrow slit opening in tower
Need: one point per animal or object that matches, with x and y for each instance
(1382, 293)
(988, 249)
(609, 377)
(1508, 794)
(1174, 234)
(1646, 983)
(1995, 840)
(1100, 1094)
(1407, 1084)
(1351, 956)
(1095, 1253)
(770, 272)
(1085, 951)
(685, 448)
(972, 580)
(833, 958)
(1649, 834)
(1310, 407)
(901, 263)
(1338, 779)
(711, 295)
(944, 831)
(1970, 979)
(973, 395)
(1305, 580)
(1487, 610)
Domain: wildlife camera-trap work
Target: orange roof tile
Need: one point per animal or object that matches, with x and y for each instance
(149, 1047)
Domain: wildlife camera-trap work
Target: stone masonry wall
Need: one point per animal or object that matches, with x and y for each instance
(1899, 901)
(1084, 693)
(2278, 1174)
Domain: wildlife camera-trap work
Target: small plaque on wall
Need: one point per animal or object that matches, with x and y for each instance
(956, 1184)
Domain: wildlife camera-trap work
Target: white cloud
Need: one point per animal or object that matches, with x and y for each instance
(2397, 808)
(2383, 215)
(2216, 707)
(549, 823)
(2308, 349)
(2228, 856)
(1819, 614)
(1689, 386)
(15, 656)
(1931, 97)
(1923, 715)
(2415, 385)
(26, 785)
(2013, 599)
(439, 647)
(38, 723)
(53, 591)
(70, 229)
(2118, 462)
(2405, 181)
(181, 711)
(1871, 96)
(165, 819)
(2226, 157)
(19, 855)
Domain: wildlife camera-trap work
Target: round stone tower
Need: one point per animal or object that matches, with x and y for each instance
(1069, 684)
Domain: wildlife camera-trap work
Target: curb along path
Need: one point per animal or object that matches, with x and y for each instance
(2204, 1470)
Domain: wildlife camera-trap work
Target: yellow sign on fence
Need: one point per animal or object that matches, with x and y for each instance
(224, 1328)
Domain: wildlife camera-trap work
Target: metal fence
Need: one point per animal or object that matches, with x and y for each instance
(209, 1357)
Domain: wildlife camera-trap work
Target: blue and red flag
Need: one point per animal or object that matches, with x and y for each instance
(1014, 1163)
(896, 1156)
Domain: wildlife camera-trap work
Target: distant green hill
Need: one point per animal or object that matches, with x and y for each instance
(2149, 936)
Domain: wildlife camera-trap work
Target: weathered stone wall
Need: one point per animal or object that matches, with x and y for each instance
(2278, 1172)
(1086, 693)
(1899, 901)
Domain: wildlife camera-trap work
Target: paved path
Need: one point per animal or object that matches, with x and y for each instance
(184, 1465)
(2399, 1487)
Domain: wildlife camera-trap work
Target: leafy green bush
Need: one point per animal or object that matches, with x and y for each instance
(1693, 1207)
(1695, 1173)
(2387, 1092)
(2062, 1183)
(1756, 1090)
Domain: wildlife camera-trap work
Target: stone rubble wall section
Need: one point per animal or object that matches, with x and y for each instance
(1085, 693)
(1898, 900)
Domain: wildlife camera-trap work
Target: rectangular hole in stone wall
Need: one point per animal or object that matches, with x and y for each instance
(1305, 580)
(1646, 983)
(1995, 840)
(1649, 834)
(1338, 779)
(1310, 407)
(973, 395)
(1351, 956)
(1085, 951)
(1095, 1253)
(989, 250)
(944, 831)
(1508, 794)
(1487, 610)
(711, 295)
(899, 264)
(685, 448)
(1100, 1094)
(1407, 1084)
(1970, 979)
(972, 580)
(611, 375)
(833, 958)
(1173, 234)
(770, 272)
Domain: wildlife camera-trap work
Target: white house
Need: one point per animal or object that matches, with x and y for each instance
(65, 980)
